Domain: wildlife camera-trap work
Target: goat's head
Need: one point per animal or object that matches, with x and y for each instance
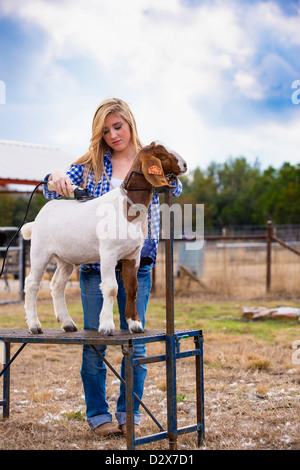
(158, 161)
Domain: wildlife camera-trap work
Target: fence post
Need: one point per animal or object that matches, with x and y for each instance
(269, 250)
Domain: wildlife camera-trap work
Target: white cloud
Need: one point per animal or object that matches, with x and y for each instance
(248, 85)
(165, 58)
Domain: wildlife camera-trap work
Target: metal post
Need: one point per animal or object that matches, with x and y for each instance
(269, 250)
(153, 288)
(6, 377)
(6, 383)
(129, 386)
(199, 389)
(170, 336)
(169, 271)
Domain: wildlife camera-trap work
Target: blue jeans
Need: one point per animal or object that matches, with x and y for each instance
(93, 370)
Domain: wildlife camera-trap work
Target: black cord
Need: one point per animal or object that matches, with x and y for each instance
(23, 222)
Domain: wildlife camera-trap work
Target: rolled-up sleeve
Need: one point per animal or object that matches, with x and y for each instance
(177, 190)
(75, 173)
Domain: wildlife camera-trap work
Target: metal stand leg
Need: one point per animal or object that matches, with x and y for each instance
(6, 377)
(171, 391)
(6, 383)
(199, 390)
(129, 382)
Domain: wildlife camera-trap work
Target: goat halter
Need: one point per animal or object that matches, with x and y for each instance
(170, 177)
(125, 184)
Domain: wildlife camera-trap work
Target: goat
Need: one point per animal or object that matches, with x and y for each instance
(73, 233)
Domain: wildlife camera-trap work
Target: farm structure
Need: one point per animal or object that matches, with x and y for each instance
(23, 165)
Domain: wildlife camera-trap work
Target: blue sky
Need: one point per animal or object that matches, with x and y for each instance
(212, 79)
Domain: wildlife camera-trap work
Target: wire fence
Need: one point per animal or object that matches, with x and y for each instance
(235, 261)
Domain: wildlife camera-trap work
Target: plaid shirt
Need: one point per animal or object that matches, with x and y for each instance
(75, 173)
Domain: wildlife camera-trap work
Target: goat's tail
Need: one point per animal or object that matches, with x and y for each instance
(26, 230)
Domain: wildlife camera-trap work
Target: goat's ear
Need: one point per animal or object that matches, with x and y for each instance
(153, 170)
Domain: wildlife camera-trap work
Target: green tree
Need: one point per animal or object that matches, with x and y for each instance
(237, 193)
(21, 203)
(200, 188)
(13, 209)
(264, 197)
(234, 202)
(287, 206)
(7, 207)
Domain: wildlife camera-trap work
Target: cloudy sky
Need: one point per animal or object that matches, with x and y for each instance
(212, 79)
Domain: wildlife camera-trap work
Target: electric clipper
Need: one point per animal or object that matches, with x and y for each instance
(80, 194)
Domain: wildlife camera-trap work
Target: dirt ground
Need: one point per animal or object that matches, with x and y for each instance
(252, 398)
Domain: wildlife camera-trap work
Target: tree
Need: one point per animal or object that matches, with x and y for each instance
(264, 194)
(21, 203)
(234, 202)
(287, 208)
(237, 193)
(201, 188)
(13, 209)
(7, 207)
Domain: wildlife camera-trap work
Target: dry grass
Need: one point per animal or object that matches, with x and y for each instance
(251, 388)
(237, 273)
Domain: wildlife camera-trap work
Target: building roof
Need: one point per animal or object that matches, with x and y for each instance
(25, 163)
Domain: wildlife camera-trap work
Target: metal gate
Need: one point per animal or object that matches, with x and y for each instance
(12, 279)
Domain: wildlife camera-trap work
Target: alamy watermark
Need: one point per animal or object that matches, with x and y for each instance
(296, 95)
(188, 222)
(2, 92)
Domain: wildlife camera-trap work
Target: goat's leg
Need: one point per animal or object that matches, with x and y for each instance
(58, 285)
(109, 289)
(129, 273)
(32, 285)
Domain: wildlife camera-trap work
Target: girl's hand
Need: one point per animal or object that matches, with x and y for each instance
(63, 184)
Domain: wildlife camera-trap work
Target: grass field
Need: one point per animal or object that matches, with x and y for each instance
(252, 398)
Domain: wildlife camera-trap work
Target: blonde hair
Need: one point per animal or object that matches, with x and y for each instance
(93, 159)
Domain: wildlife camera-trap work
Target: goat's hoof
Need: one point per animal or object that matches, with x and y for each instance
(36, 330)
(135, 326)
(106, 331)
(70, 328)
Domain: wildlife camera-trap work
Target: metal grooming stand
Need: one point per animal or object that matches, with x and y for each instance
(170, 337)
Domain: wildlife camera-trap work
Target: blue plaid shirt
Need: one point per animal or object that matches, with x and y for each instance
(75, 173)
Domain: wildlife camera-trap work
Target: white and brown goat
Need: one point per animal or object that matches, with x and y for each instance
(106, 229)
